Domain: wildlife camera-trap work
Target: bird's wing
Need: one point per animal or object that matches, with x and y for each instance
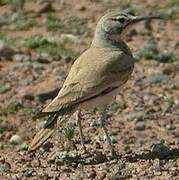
(92, 73)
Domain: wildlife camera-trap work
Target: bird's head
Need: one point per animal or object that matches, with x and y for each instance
(115, 24)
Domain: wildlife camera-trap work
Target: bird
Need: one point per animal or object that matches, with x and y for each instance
(95, 78)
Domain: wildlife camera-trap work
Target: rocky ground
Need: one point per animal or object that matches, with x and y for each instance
(39, 41)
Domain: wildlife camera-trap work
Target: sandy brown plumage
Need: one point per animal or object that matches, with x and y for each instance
(86, 81)
(96, 76)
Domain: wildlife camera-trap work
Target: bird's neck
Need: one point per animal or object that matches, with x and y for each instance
(104, 40)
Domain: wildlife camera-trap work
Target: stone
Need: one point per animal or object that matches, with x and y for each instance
(28, 173)
(140, 126)
(170, 127)
(16, 139)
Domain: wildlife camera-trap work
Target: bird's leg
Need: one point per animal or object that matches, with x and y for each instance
(78, 116)
(103, 118)
(58, 133)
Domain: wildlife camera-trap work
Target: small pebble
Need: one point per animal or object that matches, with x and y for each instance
(170, 127)
(140, 126)
(157, 173)
(28, 173)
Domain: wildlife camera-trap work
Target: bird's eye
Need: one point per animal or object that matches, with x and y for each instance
(119, 19)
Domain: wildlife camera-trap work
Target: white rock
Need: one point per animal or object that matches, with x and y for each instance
(16, 139)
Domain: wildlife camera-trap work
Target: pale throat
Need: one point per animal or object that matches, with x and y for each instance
(116, 37)
(103, 39)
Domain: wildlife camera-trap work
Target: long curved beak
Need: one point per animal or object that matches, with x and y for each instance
(136, 19)
(142, 18)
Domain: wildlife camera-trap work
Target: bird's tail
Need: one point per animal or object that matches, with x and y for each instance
(45, 133)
